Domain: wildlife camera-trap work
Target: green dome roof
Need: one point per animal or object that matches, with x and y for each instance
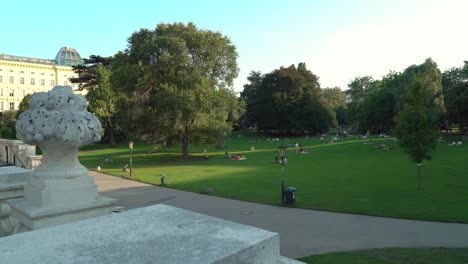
(68, 57)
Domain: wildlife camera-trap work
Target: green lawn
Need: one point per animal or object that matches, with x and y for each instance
(348, 176)
(393, 256)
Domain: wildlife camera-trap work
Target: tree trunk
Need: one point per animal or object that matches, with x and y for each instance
(111, 133)
(419, 176)
(184, 142)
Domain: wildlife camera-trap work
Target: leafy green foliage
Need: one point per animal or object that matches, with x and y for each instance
(177, 82)
(416, 124)
(103, 100)
(7, 124)
(455, 89)
(24, 105)
(287, 99)
(87, 71)
(359, 88)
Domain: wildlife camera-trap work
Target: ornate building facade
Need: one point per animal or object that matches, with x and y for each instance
(20, 76)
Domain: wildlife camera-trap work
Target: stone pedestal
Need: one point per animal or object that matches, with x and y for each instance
(49, 202)
(154, 234)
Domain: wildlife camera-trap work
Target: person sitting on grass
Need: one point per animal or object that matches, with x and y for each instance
(125, 168)
(303, 151)
(226, 155)
(276, 160)
(108, 159)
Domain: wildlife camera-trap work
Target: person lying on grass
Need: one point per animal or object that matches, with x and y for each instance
(239, 157)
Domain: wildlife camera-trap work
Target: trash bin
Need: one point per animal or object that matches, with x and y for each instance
(290, 195)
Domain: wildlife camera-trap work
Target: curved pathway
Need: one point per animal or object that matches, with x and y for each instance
(302, 232)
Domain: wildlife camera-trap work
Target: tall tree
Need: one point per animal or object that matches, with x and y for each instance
(379, 105)
(455, 89)
(249, 95)
(289, 99)
(359, 88)
(102, 100)
(335, 98)
(416, 123)
(87, 71)
(177, 80)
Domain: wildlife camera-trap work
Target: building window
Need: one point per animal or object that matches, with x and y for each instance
(32, 72)
(12, 105)
(1, 106)
(1, 78)
(21, 71)
(22, 80)
(12, 92)
(11, 79)
(42, 82)
(65, 83)
(33, 81)
(52, 83)
(23, 93)
(1, 91)
(42, 73)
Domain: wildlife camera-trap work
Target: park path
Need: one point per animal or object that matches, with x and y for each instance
(302, 232)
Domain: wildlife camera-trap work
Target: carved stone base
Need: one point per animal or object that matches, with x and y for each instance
(49, 202)
(33, 218)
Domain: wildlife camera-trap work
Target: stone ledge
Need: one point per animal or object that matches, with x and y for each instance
(154, 234)
(40, 217)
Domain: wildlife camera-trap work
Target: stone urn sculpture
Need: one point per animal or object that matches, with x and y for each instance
(60, 189)
(59, 124)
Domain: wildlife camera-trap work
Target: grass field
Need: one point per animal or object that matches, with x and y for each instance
(393, 256)
(347, 176)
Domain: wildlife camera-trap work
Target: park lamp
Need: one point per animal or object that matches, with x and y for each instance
(130, 146)
(282, 152)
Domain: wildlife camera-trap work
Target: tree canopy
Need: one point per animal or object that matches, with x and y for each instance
(455, 90)
(287, 100)
(416, 123)
(177, 81)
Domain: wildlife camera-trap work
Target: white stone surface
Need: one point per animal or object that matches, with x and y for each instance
(155, 234)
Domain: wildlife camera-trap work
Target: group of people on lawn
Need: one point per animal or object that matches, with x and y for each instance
(234, 156)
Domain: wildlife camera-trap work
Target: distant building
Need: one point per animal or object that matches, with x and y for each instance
(20, 76)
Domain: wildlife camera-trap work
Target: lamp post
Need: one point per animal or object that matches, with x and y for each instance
(130, 146)
(282, 154)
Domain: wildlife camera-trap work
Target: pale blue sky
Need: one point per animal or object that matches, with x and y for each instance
(338, 40)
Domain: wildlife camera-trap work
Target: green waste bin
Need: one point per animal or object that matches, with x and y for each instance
(290, 195)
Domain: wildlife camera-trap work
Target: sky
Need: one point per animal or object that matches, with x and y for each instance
(338, 40)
